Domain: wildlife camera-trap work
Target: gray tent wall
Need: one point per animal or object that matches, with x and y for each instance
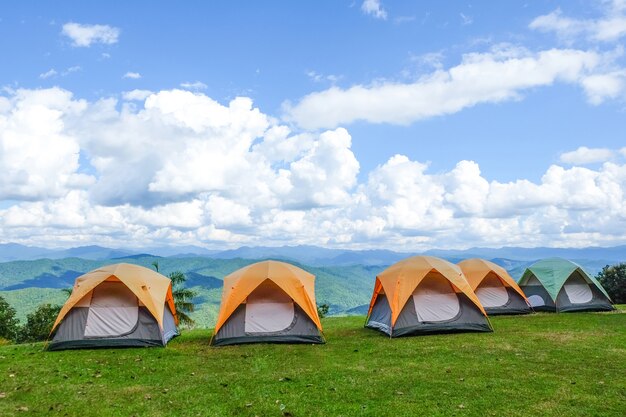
(598, 301)
(469, 319)
(70, 334)
(301, 330)
(515, 305)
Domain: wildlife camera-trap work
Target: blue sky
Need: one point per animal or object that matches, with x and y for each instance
(491, 104)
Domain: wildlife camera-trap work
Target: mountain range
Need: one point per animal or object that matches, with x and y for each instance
(311, 255)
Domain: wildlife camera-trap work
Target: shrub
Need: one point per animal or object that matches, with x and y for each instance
(322, 310)
(613, 279)
(39, 324)
(9, 325)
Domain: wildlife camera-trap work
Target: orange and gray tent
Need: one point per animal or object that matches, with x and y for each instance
(268, 301)
(494, 287)
(556, 285)
(422, 295)
(117, 305)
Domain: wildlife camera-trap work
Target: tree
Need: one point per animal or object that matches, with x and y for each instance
(613, 279)
(9, 325)
(183, 297)
(39, 323)
(322, 310)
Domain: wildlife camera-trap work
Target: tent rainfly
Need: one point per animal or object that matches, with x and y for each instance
(268, 301)
(117, 305)
(559, 285)
(424, 294)
(494, 287)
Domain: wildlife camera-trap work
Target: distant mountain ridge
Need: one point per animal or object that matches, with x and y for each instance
(311, 255)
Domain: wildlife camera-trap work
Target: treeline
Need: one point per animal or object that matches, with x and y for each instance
(613, 279)
(37, 327)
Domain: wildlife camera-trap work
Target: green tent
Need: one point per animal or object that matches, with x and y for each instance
(560, 285)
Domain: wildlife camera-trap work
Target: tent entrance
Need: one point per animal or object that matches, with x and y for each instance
(535, 300)
(491, 292)
(435, 300)
(268, 309)
(577, 289)
(113, 311)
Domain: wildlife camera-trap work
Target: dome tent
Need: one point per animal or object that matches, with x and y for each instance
(117, 305)
(497, 291)
(424, 294)
(268, 301)
(557, 285)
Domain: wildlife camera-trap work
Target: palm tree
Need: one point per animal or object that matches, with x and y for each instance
(182, 296)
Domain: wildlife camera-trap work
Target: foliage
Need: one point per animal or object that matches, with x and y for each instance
(182, 296)
(322, 310)
(9, 324)
(544, 364)
(613, 279)
(39, 323)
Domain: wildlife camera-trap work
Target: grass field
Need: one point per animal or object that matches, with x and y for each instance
(540, 365)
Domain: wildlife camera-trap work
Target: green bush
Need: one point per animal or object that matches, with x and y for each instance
(9, 325)
(613, 279)
(39, 324)
(322, 310)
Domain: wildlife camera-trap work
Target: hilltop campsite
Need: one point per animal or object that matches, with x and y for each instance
(553, 364)
(313, 208)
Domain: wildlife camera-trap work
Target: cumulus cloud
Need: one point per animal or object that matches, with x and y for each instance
(179, 167)
(374, 8)
(584, 156)
(136, 95)
(502, 74)
(602, 87)
(39, 156)
(84, 35)
(608, 28)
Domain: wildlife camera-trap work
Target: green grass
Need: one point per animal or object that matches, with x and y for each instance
(544, 364)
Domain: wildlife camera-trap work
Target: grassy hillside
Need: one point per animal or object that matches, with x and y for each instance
(27, 300)
(543, 364)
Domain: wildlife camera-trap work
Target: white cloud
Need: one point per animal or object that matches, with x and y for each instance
(39, 157)
(197, 85)
(136, 95)
(317, 77)
(584, 156)
(50, 73)
(608, 28)
(75, 68)
(465, 19)
(84, 35)
(374, 8)
(499, 75)
(132, 75)
(182, 168)
(601, 87)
